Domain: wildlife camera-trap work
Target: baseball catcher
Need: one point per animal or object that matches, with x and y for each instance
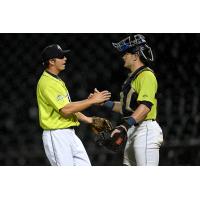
(138, 106)
(112, 139)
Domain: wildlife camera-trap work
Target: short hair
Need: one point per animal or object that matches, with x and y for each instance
(46, 63)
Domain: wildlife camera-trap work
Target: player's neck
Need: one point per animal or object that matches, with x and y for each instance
(136, 66)
(53, 70)
(133, 69)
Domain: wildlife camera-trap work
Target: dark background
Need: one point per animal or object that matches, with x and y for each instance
(95, 63)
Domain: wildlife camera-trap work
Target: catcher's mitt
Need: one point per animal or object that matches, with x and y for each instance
(112, 139)
(100, 125)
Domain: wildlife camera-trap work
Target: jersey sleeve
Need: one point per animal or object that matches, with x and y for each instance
(55, 97)
(146, 87)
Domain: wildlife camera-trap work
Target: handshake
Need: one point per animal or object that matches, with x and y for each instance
(100, 97)
(112, 138)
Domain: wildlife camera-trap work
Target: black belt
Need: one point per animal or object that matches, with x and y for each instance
(150, 120)
(71, 127)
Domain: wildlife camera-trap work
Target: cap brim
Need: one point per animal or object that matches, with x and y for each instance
(66, 51)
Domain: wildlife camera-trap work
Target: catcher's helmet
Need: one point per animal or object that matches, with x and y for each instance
(138, 45)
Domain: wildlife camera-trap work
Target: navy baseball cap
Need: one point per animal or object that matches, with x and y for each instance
(53, 51)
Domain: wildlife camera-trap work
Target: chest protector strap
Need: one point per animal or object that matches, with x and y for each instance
(128, 96)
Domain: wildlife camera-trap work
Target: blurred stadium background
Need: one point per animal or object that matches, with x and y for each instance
(95, 63)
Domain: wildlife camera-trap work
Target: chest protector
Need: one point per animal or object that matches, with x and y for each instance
(128, 96)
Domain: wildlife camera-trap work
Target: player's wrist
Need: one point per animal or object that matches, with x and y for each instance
(91, 101)
(89, 120)
(128, 122)
(109, 105)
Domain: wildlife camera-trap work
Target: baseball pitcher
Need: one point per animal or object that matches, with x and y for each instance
(59, 116)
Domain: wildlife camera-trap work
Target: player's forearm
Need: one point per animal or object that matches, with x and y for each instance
(75, 107)
(117, 107)
(140, 113)
(83, 118)
(113, 105)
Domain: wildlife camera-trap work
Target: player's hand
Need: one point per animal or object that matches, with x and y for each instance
(91, 94)
(100, 97)
(118, 130)
(117, 138)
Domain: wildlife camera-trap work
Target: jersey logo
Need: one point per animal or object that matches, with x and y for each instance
(60, 97)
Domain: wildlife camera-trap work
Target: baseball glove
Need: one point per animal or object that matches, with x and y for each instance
(100, 125)
(113, 139)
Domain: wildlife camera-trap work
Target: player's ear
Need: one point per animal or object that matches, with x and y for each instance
(135, 56)
(51, 61)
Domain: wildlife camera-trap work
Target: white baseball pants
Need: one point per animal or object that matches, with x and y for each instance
(143, 144)
(64, 148)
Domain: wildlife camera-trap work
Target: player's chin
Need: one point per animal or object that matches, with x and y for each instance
(62, 67)
(127, 66)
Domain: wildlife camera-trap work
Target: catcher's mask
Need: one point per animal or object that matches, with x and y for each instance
(138, 45)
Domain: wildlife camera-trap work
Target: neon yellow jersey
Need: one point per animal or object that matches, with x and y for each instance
(52, 95)
(146, 87)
